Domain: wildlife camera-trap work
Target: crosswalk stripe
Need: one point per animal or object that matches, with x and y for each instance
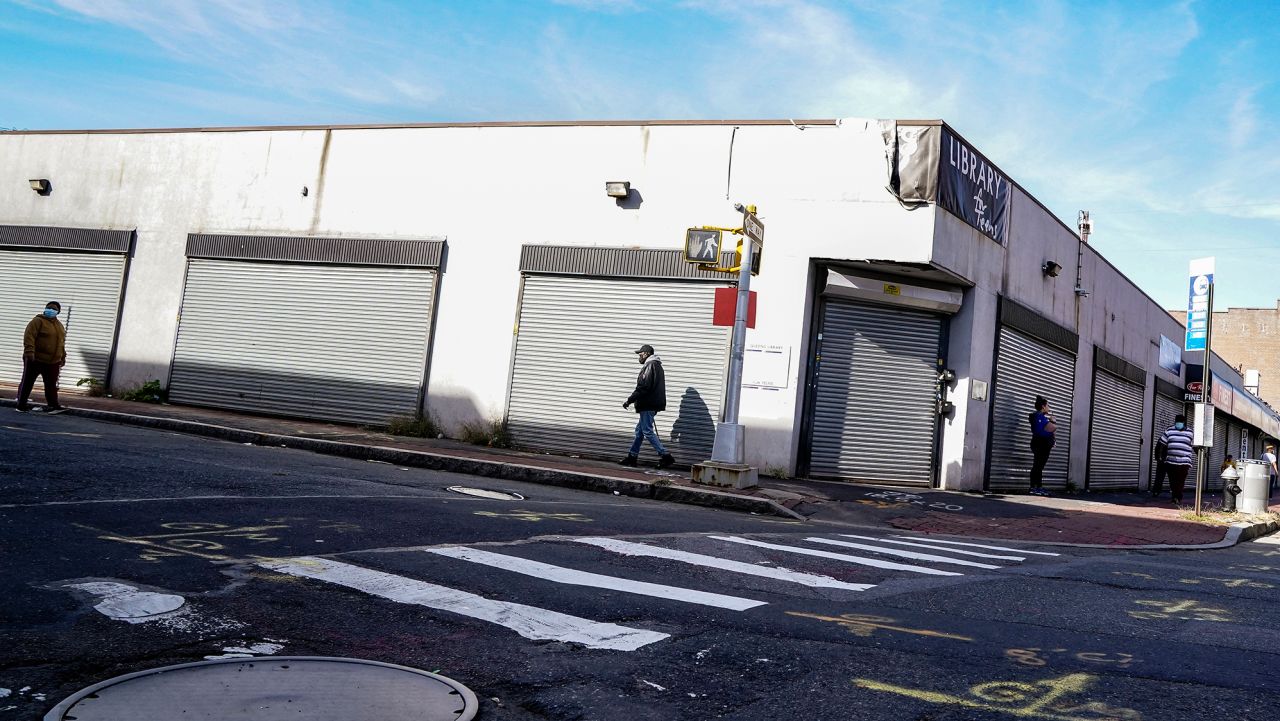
(877, 563)
(574, 577)
(530, 622)
(900, 553)
(813, 580)
(936, 548)
(982, 545)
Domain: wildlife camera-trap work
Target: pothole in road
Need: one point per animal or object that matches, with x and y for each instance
(305, 687)
(487, 493)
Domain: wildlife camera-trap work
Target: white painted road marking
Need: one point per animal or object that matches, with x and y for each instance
(812, 580)
(533, 623)
(981, 545)
(839, 557)
(900, 553)
(572, 577)
(126, 603)
(936, 548)
(265, 648)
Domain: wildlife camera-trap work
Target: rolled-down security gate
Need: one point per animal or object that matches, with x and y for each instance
(1217, 454)
(1116, 440)
(1234, 432)
(1167, 406)
(872, 404)
(84, 270)
(331, 329)
(583, 312)
(1036, 358)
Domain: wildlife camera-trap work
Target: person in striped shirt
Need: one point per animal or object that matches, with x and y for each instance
(1179, 457)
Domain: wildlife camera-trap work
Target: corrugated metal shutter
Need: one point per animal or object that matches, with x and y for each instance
(1165, 410)
(340, 343)
(574, 365)
(1026, 368)
(1115, 436)
(88, 286)
(1217, 454)
(1234, 431)
(874, 416)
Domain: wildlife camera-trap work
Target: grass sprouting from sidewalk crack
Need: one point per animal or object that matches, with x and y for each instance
(1215, 516)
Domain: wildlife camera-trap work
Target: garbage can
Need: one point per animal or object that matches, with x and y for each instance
(1255, 492)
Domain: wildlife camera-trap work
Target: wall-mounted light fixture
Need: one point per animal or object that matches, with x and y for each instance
(42, 186)
(617, 188)
(1051, 269)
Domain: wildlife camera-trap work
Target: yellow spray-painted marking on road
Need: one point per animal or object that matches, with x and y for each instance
(860, 625)
(535, 516)
(1036, 657)
(1181, 611)
(1041, 700)
(1201, 580)
(882, 504)
(193, 539)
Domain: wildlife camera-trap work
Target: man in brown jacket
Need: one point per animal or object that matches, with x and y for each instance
(44, 352)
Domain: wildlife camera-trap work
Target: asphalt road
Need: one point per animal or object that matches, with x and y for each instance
(276, 551)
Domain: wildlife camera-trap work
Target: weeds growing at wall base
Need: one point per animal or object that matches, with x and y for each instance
(417, 426)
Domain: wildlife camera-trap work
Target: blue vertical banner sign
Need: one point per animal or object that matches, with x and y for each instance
(973, 189)
(1198, 284)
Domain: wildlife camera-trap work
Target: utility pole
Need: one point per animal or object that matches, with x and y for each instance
(1204, 411)
(727, 466)
(730, 435)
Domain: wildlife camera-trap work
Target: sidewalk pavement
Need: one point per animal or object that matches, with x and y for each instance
(1111, 520)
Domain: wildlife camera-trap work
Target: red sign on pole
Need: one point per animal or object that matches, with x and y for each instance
(727, 307)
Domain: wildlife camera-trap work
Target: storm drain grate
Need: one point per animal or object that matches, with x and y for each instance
(272, 689)
(487, 493)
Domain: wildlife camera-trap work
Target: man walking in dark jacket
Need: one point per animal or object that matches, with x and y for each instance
(649, 397)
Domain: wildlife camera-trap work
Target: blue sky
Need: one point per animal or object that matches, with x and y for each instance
(1160, 118)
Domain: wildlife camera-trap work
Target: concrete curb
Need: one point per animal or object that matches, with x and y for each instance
(1236, 533)
(453, 464)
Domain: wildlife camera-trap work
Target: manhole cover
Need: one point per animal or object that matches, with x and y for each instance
(271, 689)
(486, 493)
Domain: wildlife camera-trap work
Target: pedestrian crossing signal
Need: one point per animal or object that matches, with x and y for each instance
(702, 246)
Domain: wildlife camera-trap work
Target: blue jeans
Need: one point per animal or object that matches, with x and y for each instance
(645, 429)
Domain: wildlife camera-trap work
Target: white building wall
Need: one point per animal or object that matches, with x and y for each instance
(489, 190)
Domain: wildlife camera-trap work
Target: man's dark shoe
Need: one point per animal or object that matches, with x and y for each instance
(22, 409)
(667, 461)
(630, 460)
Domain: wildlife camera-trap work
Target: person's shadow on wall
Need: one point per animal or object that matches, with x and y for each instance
(694, 430)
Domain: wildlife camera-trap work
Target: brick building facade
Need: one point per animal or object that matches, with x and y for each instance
(1249, 338)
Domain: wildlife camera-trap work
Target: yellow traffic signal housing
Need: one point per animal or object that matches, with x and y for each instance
(756, 252)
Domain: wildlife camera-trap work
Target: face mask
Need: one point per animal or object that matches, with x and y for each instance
(1179, 426)
(640, 360)
(50, 313)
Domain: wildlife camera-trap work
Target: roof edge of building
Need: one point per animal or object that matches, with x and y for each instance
(399, 126)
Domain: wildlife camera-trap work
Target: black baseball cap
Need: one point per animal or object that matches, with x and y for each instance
(53, 304)
(646, 348)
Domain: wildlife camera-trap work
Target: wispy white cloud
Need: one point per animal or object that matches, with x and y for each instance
(286, 46)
